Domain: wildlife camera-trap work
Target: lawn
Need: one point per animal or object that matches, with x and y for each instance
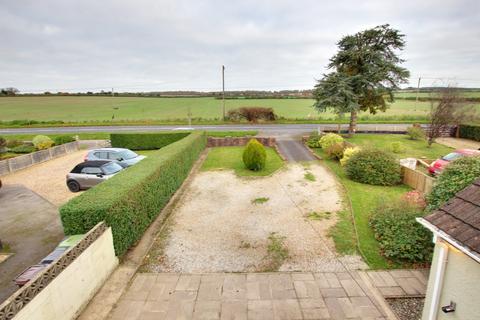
(364, 198)
(106, 135)
(230, 158)
(77, 109)
(413, 148)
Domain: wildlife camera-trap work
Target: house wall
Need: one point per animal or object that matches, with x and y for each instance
(70, 291)
(461, 284)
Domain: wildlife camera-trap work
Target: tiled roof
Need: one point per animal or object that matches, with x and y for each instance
(460, 217)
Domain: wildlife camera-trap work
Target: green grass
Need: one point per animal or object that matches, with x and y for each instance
(413, 148)
(261, 200)
(231, 158)
(106, 135)
(364, 199)
(151, 110)
(309, 176)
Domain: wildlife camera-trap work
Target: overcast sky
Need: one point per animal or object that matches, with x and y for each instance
(140, 45)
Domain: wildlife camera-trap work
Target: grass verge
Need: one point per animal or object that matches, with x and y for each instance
(364, 198)
(231, 158)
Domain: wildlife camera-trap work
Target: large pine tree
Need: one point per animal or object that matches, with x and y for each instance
(366, 71)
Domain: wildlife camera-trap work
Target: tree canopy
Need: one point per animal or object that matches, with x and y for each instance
(366, 71)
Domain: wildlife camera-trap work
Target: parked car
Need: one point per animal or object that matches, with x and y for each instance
(438, 165)
(123, 157)
(90, 173)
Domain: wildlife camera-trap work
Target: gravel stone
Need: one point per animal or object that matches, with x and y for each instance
(407, 308)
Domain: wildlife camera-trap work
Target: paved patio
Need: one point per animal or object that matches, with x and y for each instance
(281, 295)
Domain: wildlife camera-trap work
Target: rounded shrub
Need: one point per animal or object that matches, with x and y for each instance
(24, 148)
(373, 166)
(330, 139)
(348, 153)
(42, 142)
(63, 139)
(313, 141)
(254, 155)
(401, 237)
(455, 177)
(335, 151)
(415, 133)
(397, 147)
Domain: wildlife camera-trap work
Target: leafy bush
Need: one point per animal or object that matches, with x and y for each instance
(373, 166)
(3, 145)
(348, 153)
(63, 139)
(415, 133)
(254, 155)
(335, 151)
(12, 143)
(145, 141)
(330, 139)
(132, 199)
(401, 237)
(470, 132)
(251, 114)
(42, 142)
(397, 147)
(458, 175)
(24, 148)
(313, 141)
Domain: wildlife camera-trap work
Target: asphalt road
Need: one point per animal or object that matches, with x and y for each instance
(264, 129)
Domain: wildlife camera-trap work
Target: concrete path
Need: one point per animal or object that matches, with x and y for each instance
(31, 226)
(458, 143)
(294, 150)
(400, 283)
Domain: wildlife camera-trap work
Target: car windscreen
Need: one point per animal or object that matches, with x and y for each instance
(111, 168)
(127, 154)
(452, 156)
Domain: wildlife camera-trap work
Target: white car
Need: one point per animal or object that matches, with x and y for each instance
(123, 157)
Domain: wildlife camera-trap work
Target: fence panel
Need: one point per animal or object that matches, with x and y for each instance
(417, 180)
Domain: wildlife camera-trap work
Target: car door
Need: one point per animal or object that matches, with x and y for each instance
(92, 176)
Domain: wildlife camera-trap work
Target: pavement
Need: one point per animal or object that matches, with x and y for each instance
(280, 295)
(31, 226)
(267, 129)
(459, 143)
(294, 150)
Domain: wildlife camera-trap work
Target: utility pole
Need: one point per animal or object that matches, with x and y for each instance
(418, 91)
(112, 92)
(223, 91)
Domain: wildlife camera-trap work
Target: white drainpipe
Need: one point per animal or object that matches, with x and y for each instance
(438, 280)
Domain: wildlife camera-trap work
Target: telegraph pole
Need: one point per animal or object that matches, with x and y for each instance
(112, 92)
(223, 91)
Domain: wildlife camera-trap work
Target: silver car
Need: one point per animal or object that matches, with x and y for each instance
(123, 157)
(90, 173)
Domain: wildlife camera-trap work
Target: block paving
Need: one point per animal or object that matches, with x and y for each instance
(281, 295)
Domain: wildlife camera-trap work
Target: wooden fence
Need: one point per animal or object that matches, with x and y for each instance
(417, 180)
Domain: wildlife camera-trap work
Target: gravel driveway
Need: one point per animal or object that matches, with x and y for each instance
(218, 227)
(48, 178)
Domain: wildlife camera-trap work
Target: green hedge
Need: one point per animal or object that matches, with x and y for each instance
(131, 200)
(145, 141)
(470, 132)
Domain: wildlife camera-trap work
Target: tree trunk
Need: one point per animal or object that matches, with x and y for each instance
(353, 123)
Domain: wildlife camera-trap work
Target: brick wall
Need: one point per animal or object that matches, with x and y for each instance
(238, 141)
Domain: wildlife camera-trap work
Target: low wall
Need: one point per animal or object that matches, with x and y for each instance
(64, 288)
(238, 141)
(417, 180)
(28, 160)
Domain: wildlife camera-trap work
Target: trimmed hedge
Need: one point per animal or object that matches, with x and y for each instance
(132, 199)
(59, 140)
(145, 141)
(470, 132)
(254, 156)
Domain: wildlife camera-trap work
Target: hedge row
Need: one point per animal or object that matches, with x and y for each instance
(470, 132)
(145, 141)
(132, 199)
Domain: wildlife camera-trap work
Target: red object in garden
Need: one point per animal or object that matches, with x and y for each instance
(438, 165)
(29, 274)
(416, 198)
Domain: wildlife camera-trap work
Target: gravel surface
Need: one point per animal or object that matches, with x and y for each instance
(407, 308)
(217, 228)
(48, 178)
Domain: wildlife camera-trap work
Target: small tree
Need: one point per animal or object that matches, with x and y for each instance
(449, 108)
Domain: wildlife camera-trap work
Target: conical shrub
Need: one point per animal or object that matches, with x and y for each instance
(254, 155)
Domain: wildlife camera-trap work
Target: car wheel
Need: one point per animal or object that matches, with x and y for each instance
(73, 186)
